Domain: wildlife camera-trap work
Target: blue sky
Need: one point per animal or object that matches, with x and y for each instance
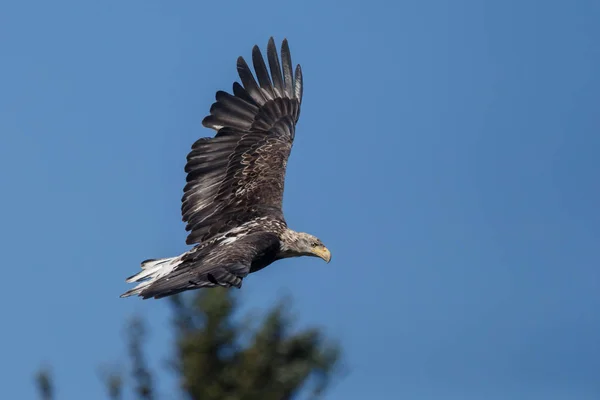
(446, 154)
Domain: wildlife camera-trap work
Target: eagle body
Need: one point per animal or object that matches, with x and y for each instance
(232, 201)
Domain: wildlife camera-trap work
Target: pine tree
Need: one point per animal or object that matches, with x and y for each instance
(217, 357)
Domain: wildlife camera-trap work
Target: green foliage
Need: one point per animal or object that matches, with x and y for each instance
(217, 358)
(44, 384)
(274, 365)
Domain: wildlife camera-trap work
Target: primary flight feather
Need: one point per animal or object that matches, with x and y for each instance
(232, 202)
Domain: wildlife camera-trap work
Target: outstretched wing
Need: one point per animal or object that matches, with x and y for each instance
(215, 263)
(239, 175)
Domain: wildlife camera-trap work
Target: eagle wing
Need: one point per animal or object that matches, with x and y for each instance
(238, 176)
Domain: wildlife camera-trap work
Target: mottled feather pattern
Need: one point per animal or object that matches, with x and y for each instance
(232, 201)
(239, 174)
(218, 262)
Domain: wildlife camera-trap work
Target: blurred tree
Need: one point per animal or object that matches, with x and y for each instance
(44, 384)
(217, 358)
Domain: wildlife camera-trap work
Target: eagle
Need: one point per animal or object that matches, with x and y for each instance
(232, 200)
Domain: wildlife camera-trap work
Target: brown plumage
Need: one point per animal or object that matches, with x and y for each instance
(232, 202)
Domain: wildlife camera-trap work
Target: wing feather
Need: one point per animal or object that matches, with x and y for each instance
(215, 264)
(275, 68)
(298, 85)
(286, 59)
(249, 82)
(261, 73)
(239, 175)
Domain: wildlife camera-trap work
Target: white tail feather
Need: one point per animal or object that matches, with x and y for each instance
(151, 271)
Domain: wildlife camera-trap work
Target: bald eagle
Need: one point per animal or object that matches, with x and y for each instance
(232, 202)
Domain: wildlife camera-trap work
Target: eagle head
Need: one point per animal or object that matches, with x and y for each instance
(296, 244)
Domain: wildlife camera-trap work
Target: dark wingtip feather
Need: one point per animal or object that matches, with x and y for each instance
(261, 72)
(275, 67)
(240, 92)
(211, 122)
(286, 60)
(248, 81)
(298, 86)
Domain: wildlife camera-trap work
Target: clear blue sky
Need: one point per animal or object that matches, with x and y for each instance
(447, 154)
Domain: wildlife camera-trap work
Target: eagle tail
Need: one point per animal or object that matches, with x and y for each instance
(151, 271)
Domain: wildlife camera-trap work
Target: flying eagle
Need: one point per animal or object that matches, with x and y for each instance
(232, 202)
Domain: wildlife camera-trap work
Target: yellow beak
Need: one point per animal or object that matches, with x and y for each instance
(322, 252)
